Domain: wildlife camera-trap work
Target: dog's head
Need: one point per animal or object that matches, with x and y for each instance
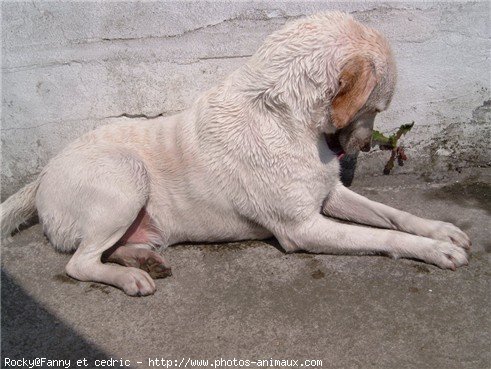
(365, 87)
(365, 84)
(329, 72)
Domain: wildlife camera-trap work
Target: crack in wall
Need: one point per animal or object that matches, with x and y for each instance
(258, 15)
(145, 116)
(133, 116)
(220, 57)
(123, 115)
(193, 60)
(240, 17)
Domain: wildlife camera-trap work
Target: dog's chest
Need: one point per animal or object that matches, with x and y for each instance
(317, 179)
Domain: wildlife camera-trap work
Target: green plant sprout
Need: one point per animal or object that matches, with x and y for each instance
(391, 143)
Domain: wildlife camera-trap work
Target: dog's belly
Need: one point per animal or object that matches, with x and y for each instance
(191, 223)
(145, 229)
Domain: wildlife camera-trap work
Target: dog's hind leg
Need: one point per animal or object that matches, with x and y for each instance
(140, 256)
(107, 202)
(108, 225)
(86, 265)
(136, 248)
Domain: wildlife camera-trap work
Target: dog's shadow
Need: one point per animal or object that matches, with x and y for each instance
(348, 168)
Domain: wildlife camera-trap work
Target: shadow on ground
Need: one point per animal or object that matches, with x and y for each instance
(29, 331)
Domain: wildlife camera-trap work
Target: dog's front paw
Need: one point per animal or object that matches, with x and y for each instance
(444, 231)
(446, 255)
(136, 282)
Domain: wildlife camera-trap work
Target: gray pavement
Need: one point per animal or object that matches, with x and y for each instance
(251, 301)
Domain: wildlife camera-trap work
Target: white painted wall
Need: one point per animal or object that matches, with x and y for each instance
(69, 67)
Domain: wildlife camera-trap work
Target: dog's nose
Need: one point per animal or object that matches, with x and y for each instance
(367, 147)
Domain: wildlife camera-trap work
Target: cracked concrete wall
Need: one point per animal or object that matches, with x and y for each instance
(70, 67)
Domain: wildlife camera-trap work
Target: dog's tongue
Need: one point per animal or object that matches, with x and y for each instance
(334, 145)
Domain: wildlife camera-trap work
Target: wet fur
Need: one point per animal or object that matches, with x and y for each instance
(248, 160)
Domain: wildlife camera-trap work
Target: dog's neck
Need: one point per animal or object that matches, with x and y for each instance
(298, 105)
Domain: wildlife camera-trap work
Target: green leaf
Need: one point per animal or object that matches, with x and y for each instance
(393, 141)
(390, 143)
(405, 128)
(379, 139)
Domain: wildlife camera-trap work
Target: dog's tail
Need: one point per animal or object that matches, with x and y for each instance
(18, 208)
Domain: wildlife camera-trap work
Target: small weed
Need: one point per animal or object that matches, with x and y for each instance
(391, 143)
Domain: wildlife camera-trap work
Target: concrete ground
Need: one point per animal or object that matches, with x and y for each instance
(251, 301)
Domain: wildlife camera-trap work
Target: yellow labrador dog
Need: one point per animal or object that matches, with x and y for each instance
(249, 160)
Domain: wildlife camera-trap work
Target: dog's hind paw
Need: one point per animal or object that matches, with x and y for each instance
(145, 259)
(136, 282)
(156, 268)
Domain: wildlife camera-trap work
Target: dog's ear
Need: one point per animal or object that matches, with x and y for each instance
(356, 82)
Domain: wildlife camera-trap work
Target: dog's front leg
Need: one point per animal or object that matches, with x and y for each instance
(319, 234)
(345, 204)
